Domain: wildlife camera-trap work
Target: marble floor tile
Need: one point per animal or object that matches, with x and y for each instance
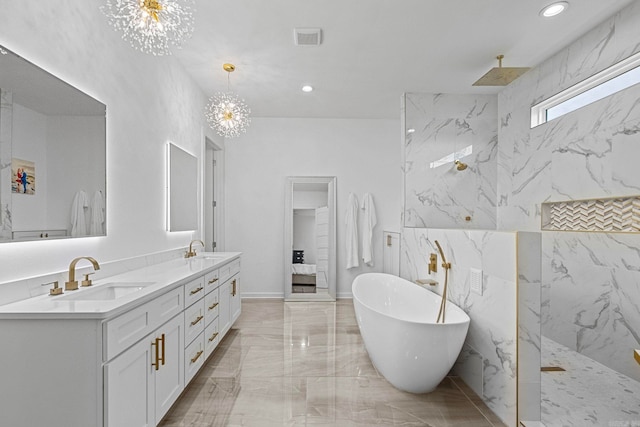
(304, 364)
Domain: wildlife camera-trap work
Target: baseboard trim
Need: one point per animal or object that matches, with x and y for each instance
(280, 295)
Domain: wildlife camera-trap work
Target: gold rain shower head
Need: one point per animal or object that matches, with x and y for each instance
(460, 166)
(500, 76)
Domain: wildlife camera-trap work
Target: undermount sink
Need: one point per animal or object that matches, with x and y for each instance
(106, 292)
(210, 255)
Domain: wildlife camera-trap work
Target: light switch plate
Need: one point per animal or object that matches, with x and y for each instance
(475, 279)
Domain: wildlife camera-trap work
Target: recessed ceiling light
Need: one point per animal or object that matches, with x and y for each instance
(307, 88)
(554, 9)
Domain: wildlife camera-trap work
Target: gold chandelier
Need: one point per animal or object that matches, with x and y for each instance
(151, 26)
(226, 113)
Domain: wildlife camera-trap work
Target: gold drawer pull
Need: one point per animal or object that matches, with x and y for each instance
(213, 337)
(214, 280)
(195, 291)
(155, 344)
(198, 319)
(213, 306)
(197, 356)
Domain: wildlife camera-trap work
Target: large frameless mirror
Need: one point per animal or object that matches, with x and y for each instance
(52, 156)
(310, 239)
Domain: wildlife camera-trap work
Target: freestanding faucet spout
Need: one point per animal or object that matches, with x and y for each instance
(72, 284)
(192, 252)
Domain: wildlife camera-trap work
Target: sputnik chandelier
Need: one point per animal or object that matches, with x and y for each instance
(151, 26)
(227, 114)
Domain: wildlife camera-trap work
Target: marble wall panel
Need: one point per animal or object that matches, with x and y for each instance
(6, 119)
(589, 292)
(529, 256)
(594, 296)
(436, 194)
(488, 361)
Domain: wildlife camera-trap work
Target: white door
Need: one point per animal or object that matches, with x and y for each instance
(225, 308)
(235, 299)
(322, 248)
(169, 381)
(129, 383)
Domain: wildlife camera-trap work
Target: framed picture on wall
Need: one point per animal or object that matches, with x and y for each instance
(23, 173)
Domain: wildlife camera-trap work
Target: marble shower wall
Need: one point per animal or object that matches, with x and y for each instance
(488, 360)
(447, 128)
(591, 281)
(6, 120)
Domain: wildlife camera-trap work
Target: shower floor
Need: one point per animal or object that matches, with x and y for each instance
(587, 393)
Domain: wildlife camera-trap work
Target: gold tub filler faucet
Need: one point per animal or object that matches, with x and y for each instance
(447, 266)
(72, 284)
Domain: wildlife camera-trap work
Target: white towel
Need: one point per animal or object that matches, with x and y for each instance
(352, 231)
(96, 227)
(78, 222)
(370, 222)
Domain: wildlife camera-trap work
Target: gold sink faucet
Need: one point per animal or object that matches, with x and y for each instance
(72, 284)
(192, 252)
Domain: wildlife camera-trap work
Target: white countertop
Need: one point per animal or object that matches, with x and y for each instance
(164, 277)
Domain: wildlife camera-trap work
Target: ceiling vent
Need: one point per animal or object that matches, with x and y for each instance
(307, 36)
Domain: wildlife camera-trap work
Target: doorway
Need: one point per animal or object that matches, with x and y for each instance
(213, 232)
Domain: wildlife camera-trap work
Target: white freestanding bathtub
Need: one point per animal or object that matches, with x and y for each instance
(397, 320)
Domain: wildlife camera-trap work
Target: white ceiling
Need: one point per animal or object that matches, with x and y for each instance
(372, 50)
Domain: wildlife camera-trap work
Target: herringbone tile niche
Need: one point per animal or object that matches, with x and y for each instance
(620, 214)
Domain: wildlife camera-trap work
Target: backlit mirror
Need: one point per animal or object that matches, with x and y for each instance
(52, 156)
(182, 211)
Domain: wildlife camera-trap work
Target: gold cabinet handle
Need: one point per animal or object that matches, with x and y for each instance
(197, 356)
(195, 291)
(233, 292)
(211, 307)
(213, 337)
(162, 351)
(214, 280)
(198, 319)
(157, 353)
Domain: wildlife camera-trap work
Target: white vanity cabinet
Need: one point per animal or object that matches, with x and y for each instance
(62, 367)
(142, 383)
(144, 380)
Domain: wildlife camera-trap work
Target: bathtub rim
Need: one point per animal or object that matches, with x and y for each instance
(466, 317)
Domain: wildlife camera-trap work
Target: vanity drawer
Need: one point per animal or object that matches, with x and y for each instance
(194, 357)
(128, 328)
(211, 338)
(211, 306)
(211, 281)
(228, 270)
(167, 306)
(193, 291)
(193, 321)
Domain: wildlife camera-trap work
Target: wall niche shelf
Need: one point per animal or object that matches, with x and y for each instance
(614, 214)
